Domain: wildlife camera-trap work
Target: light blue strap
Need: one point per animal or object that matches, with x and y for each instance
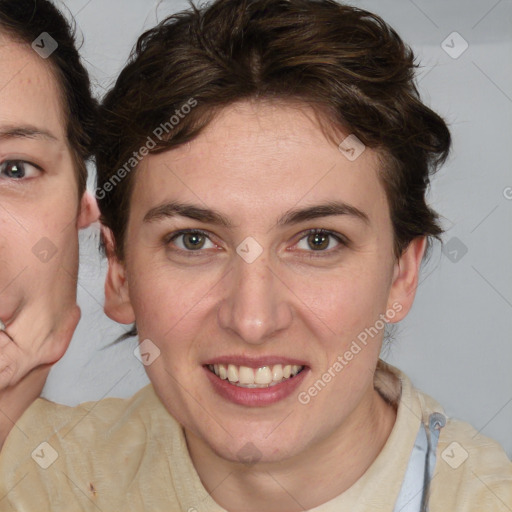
(413, 494)
(436, 422)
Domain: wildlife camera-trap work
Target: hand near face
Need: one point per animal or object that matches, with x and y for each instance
(41, 338)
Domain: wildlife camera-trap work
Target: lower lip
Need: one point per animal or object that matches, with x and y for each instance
(255, 397)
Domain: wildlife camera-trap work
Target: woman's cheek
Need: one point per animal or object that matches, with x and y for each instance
(338, 298)
(165, 295)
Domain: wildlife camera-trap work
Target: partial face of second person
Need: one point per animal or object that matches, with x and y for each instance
(250, 285)
(39, 208)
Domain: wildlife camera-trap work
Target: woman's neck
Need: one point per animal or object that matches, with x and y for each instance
(328, 468)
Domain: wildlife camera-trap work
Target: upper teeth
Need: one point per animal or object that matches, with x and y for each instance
(255, 377)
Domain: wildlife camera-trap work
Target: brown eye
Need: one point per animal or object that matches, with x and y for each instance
(193, 241)
(321, 242)
(318, 241)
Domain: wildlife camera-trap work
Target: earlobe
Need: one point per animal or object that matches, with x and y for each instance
(405, 278)
(89, 211)
(117, 298)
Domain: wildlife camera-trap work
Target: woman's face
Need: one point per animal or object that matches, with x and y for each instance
(251, 288)
(38, 192)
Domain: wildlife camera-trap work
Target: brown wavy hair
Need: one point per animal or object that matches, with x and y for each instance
(347, 63)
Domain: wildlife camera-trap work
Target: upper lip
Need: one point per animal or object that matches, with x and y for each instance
(255, 362)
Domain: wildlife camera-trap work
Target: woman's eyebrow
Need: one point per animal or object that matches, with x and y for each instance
(173, 209)
(322, 210)
(206, 215)
(26, 131)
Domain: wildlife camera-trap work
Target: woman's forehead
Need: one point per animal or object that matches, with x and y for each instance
(260, 158)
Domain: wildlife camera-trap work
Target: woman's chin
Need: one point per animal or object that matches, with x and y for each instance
(249, 443)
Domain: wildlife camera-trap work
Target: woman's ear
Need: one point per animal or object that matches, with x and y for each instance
(405, 278)
(89, 211)
(117, 298)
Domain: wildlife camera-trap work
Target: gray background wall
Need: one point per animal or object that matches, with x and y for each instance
(456, 344)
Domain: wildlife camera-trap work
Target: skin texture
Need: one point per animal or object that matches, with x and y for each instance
(40, 214)
(253, 164)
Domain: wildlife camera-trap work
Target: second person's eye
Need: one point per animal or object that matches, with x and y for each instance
(18, 170)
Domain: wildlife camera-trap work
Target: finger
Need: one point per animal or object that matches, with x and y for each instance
(10, 357)
(56, 344)
(15, 362)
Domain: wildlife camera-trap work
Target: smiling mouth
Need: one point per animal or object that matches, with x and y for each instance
(262, 377)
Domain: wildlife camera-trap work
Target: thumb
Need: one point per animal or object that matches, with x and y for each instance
(57, 342)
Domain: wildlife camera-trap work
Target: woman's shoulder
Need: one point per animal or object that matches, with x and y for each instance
(56, 451)
(472, 472)
(64, 419)
(100, 426)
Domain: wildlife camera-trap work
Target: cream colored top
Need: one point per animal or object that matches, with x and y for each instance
(131, 455)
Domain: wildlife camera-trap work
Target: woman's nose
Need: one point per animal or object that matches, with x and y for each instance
(255, 305)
